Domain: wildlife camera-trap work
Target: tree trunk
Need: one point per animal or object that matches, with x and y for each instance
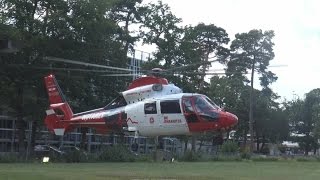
(201, 142)
(185, 144)
(258, 143)
(263, 142)
(33, 135)
(245, 138)
(193, 143)
(83, 138)
(307, 147)
(126, 31)
(21, 125)
(251, 110)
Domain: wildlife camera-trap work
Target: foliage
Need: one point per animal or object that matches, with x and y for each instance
(261, 158)
(245, 153)
(126, 13)
(144, 158)
(201, 43)
(191, 156)
(308, 159)
(159, 27)
(229, 147)
(116, 153)
(78, 30)
(10, 158)
(75, 156)
(304, 120)
(265, 150)
(227, 158)
(253, 51)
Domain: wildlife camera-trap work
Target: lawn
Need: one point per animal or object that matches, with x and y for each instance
(179, 170)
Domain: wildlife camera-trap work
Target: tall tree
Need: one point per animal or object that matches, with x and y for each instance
(310, 120)
(160, 27)
(207, 41)
(253, 51)
(126, 13)
(271, 123)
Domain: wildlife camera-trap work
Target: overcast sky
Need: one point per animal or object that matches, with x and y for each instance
(297, 28)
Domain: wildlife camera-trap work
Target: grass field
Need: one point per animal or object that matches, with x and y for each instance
(180, 170)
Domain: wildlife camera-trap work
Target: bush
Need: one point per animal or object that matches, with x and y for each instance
(227, 158)
(245, 153)
(308, 159)
(10, 158)
(229, 147)
(261, 158)
(282, 149)
(144, 158)
(191, 156)
(265, 150)
(75, 156)
(116, 153)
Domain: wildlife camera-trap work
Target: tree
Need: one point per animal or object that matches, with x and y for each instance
(271, 122)
(77, 30)
(205, 41)
(126, 12)
(160, 27)
(311, 118)
(253, 51)
(304, 120)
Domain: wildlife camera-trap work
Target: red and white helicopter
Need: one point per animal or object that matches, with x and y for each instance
(150, 107)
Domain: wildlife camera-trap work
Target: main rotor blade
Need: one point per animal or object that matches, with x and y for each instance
(84, 64)
(116, 75)
(61, 69)
(278, 65)
(194, 64)
(209, 73)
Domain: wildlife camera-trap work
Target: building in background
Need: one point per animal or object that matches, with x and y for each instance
(136, 59)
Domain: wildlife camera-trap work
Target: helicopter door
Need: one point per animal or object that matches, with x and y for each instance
(172, 120)
(150, 117)
(188, 110)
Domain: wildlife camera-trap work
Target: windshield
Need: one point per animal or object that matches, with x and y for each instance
(212, 103)
(205, 107)
(204, 104)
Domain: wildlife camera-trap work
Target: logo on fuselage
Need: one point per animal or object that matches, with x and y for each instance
(151, 120)
(167, 120)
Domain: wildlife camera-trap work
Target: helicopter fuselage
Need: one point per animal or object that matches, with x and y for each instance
(148, 110)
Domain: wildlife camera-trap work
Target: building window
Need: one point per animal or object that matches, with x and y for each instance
(170, 107)
(150, 108)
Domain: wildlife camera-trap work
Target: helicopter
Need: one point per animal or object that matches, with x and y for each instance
(151, 106)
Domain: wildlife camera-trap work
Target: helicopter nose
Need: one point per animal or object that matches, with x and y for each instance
(231, 120)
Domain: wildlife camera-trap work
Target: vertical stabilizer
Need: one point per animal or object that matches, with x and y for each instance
(59, 111)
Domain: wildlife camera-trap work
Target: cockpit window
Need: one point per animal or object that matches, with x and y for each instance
(187, 105)
(170, 107)
(150, 108)
(212, 103)
(117, 102)
(203, 104)
(204, 107)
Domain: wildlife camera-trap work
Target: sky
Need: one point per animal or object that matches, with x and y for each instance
(296, 24)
